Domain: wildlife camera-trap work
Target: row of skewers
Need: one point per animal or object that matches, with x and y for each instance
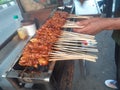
(51, 43)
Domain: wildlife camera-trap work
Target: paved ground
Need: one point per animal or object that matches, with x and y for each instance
(97, 72)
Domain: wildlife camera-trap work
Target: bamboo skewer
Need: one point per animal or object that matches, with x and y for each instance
(76, 37)
(79, 16)
(77, 49)
(79, 41)
(71, 24)
(67, 44)
(59, 53)
(70, 51)
(63, 56)
(73, 58)
(76, 42)
(70, 46)
(66, 56)
(74, 45)
(73, 39)
(78, 34)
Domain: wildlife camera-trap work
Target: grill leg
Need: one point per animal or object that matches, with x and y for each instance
(82, 65)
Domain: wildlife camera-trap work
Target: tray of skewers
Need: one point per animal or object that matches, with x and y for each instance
(53, 43)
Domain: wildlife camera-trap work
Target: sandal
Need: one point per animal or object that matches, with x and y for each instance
(111, 84)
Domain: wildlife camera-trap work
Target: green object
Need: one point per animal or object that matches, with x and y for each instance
(4, 1)
(15, 17)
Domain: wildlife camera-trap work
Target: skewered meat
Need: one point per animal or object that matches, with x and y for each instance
(38, 48)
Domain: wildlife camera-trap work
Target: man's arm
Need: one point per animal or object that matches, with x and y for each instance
(96, 25)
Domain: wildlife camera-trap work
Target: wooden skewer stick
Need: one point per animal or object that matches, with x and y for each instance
(76, 49)
(71, 24)
(78, 39)
(69, 41)
(74, 45)
(78, 34)
(68, 47)
(71, 36)
(61, 54)
(77, 58)
(76, 42)
(64, 56)
(79, 16)
(65, 44)
(75, 39)
(74, 57)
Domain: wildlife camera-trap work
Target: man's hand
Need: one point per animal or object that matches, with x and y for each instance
(92, 26)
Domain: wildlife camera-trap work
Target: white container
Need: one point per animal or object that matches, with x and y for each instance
(30, 27)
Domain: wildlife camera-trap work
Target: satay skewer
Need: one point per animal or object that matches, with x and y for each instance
(38, 50)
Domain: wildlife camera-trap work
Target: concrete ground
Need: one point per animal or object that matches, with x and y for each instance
(97, 72)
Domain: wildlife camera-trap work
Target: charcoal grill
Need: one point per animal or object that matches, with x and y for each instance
(20, 76)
